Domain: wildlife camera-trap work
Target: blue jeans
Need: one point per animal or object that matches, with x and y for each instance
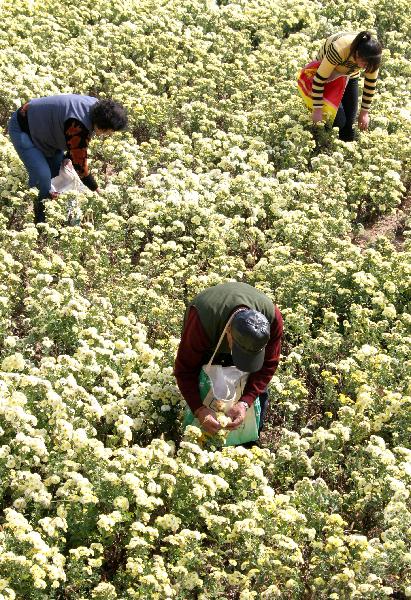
(40, 168)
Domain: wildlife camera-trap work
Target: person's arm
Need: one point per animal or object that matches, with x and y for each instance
(77, 141)
(257, 382)
(331, 59)
(323, 73)
(194, 345)
(370, 83)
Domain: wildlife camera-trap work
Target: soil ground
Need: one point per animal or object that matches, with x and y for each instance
(390, 226)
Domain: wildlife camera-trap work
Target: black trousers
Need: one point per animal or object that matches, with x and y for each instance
(264, 405)
(347, 112)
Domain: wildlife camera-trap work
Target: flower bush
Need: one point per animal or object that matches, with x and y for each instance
(219, 177)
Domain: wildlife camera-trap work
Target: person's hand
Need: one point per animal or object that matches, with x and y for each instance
(363, 120)
(317, 115)
(237, 414)
(98, 191)
(207, 420)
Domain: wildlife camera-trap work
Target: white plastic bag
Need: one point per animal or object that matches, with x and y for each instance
(226, 386)
(67, 180)
(220, 388)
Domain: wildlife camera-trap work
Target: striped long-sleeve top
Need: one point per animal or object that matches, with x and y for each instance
(335, 56)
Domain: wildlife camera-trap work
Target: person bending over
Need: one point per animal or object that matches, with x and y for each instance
(345, 55)
(44, 128)
(252, 343)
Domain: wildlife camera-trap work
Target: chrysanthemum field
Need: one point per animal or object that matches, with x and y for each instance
(220, 176)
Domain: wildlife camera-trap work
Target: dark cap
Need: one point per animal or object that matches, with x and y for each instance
(250, 331)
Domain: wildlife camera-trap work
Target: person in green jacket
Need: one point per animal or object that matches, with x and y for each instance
(252, 343)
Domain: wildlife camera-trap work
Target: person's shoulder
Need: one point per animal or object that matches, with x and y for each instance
(191, 316)
(341, 41)
(277, 314)
(277, 325)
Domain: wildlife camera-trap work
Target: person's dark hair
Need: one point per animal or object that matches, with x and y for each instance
(107, 114)
(367, 48)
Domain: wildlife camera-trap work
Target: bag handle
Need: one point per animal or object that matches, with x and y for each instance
(223, 334)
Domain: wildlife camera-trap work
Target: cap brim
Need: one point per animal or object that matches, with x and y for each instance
(250, 362)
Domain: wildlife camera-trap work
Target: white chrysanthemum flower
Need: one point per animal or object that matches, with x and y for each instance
(14, 362)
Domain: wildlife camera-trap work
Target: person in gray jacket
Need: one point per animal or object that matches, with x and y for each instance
(43, 128)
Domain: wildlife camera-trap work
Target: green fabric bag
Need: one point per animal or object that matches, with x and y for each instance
(211, 377)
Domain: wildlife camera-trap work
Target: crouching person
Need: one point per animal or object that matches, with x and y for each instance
(231, 325)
